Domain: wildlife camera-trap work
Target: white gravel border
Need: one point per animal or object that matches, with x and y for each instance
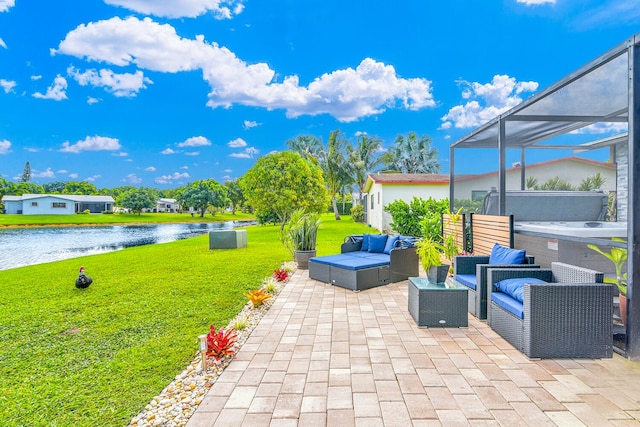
(178, 401)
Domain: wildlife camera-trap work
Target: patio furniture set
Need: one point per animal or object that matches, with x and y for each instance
(562, 312)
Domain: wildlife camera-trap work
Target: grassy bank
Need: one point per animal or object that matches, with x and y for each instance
(7, 220)
(97, 356)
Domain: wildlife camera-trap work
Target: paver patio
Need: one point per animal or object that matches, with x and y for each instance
(327, 356)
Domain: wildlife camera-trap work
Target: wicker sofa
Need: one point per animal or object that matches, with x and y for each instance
(358, 269)
(568, 317)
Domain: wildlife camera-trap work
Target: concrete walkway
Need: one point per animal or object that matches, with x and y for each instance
(326, 356)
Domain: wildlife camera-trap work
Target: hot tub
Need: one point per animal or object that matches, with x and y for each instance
(574, 228)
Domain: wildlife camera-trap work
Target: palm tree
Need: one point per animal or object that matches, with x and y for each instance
(411, 154)
(363, 160)
(336, 167)
(308, 146)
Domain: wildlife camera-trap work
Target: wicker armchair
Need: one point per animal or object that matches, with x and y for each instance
(570, 317)
(478, 265)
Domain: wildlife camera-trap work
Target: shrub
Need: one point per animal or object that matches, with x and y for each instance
(221, 343)
(107, 212)
(418, 218)
(357, 213)
(281, 274)
(257, 297)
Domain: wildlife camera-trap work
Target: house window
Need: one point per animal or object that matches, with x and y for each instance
(34, 204)
(372, 202)
(478, 194)
(59, 205)
(378, 197)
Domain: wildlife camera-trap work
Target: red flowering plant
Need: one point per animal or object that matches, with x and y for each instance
(221, 343)
(281, 274)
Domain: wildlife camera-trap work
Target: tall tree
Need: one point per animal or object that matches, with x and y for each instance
(282, 182)
(80, 187)
(54, 187)
(235, 195)
(204, 194)
(308, 146)
(336, 167)
(138, 199)
(26, 173)
(411, 154)
(364, 158)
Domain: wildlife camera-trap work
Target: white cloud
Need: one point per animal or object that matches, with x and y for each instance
(536, 2)
(92, 143)
(5, 146)
(132, 179)
(5, 5)
(2, 43)
(227, 171)
(150, 169)
(91, 100)
(46, 174)
(93, 178)
(248, 124)
(7, 85)
(185, 167)
(35, 78)
(56, 91)
(32, 149)
(166, 179)
(220, 9)
(168, 151)
(195, 141)
(237, 143)
(248, 153)
(120, 154)
(73, 175)
(610, 13)
(347, 94)
(600, 128)
(486, 101)
(192, 153)
(63, 171)
(121, 85)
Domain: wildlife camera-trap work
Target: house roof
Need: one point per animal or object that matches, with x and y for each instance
(406, 179)
(70, 197)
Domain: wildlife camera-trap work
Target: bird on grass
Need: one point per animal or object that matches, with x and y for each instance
(83, 281)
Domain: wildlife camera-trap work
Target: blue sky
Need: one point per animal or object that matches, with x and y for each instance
(162, 93)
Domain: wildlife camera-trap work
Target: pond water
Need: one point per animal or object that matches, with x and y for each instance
(36, 245)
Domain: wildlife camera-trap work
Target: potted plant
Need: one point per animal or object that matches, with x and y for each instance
(430, 253)
(299, 236)
(618, 256)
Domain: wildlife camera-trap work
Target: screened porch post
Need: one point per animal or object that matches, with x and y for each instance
(451, 173)
(501, 167)
(633, 224)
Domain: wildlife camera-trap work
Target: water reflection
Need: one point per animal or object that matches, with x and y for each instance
(27, 246)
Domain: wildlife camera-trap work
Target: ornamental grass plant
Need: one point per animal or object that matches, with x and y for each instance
(97, 356)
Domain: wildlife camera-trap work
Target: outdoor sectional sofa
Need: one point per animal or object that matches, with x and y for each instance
(366, 261)
(564, 312)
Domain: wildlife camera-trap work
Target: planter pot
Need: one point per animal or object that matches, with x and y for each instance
(623, 308)
(438, 274)
(302, 258)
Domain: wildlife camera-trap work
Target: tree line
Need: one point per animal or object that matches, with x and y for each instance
(310, 175)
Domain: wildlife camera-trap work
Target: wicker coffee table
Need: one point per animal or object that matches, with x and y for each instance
(438, 304)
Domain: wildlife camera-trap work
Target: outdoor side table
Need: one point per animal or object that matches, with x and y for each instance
(437, 304)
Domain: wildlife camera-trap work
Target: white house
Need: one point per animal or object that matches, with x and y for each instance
(382, 189)
(167, 205)
(56, 204)
(569, 169)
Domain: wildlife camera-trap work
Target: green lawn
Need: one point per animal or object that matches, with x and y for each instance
(81, 219)
(97, 356)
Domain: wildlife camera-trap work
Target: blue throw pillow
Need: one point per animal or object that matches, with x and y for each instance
(391, 243)
(503, 255)
(515, 287)
(377, 242)
(365, 242)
